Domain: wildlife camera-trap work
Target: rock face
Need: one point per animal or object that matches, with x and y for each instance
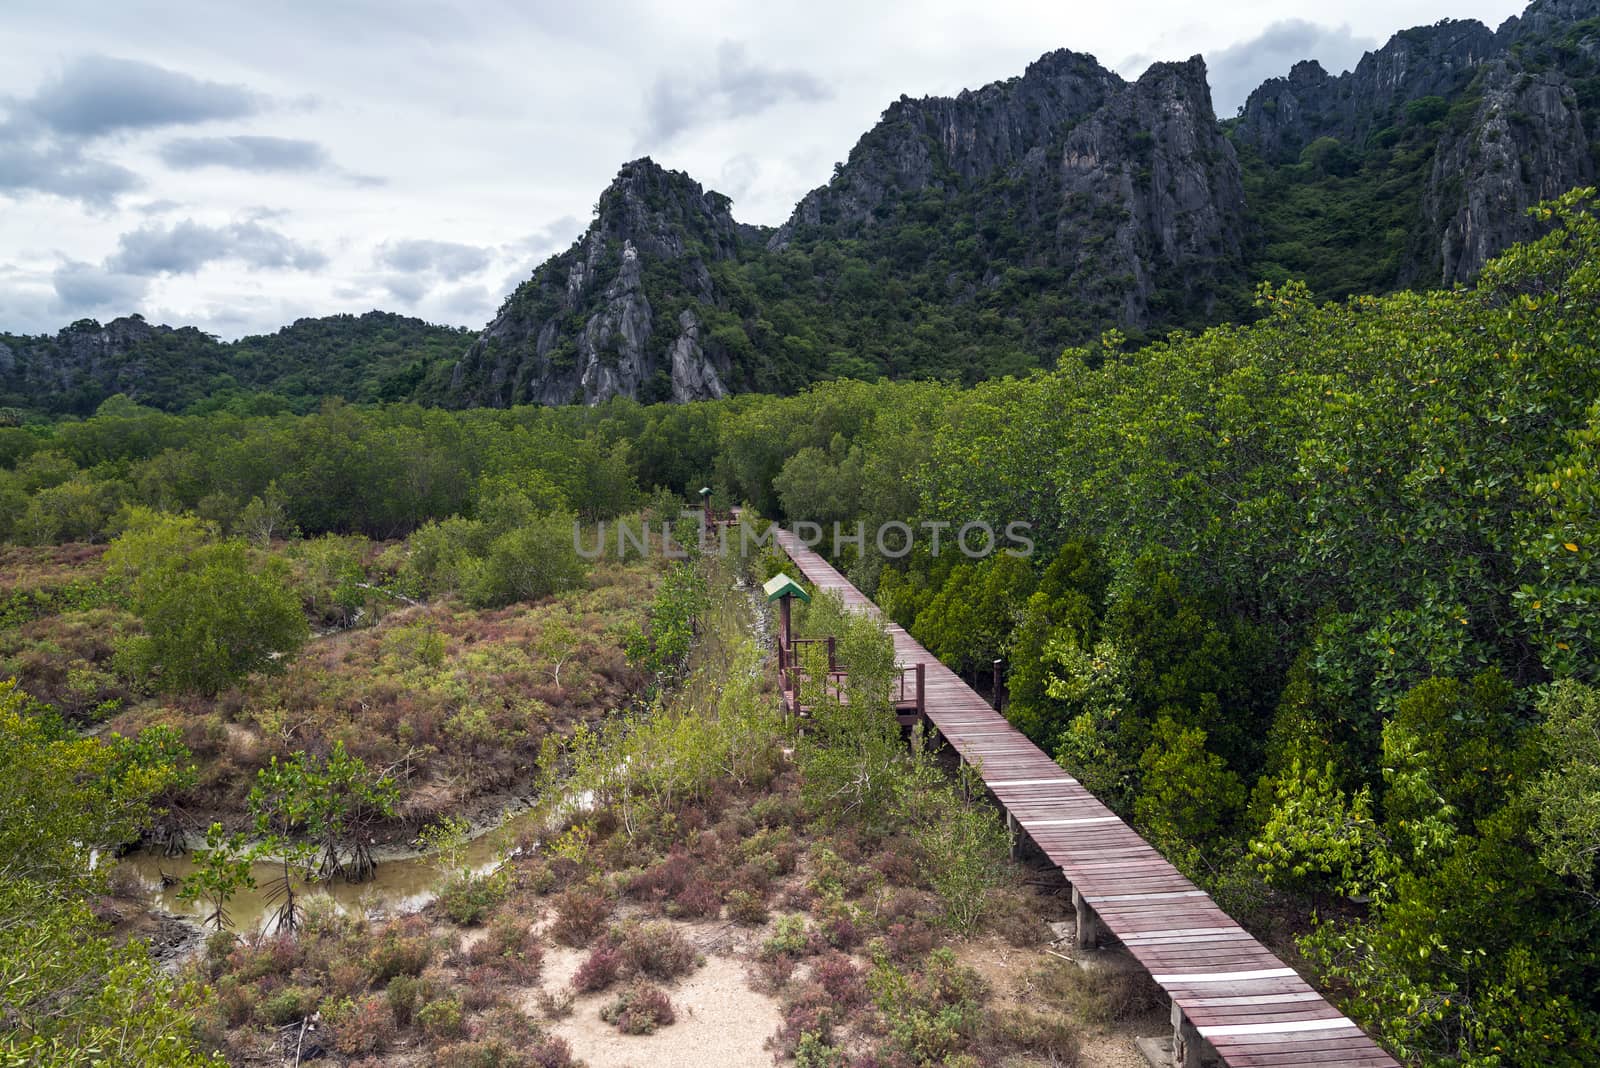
(946, 142)
(86, 357)
(613, 316)
(1284, 115)
(1127, 189)
(1526, 143)
(1498, 112)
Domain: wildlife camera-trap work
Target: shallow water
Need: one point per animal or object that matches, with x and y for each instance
(400, 884)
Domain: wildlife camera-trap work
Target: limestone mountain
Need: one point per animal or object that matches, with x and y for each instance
(621, 313)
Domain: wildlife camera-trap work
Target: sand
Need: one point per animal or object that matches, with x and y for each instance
(721, 1021)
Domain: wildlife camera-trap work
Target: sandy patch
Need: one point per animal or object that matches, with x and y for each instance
(721, 1021)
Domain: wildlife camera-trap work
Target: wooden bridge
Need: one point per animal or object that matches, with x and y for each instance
(1232, 999)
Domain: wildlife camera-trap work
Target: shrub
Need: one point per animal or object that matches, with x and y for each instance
(478, 989)
(639, 1010)
(841, 979)
(813, 1052)
(219, 944)
(287, 1005)
(772, 973)
(788, 938)
(663, 880)
(809, 1011)
(442, 1018)
(402, 994)
(657, 950)
(467, 899)
(907, 942)
(932, 1015)
(493, 1052)
(747, 908)
(551, 1051)
(398, 954)
(599, 971)
(580, 913)
(840, 932)
(697, 900)
(510, 948)
(361, 1026)
(554, 1004)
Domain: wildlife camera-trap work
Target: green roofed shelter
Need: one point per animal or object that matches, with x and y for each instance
(781, 585)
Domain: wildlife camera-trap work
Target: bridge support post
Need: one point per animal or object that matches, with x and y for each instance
(1186, 1043)
(1088, 922)
(1014, 829)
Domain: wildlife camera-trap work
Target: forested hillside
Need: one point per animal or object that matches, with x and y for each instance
(1313, 601)
(373, 357)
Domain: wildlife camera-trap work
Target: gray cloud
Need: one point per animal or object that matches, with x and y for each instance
(43, 136)
(83, 289)
(1240, 68)
(245, 153)
(546, 241)
(187, 246)
(29, 166)
(447, 259)
(98, 95)
(735, 87)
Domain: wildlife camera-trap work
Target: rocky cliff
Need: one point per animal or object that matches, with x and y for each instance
(621, 312)
(1474, 125)
(1125, 193)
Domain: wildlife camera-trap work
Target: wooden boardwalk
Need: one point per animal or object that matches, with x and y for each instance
(1228, 991)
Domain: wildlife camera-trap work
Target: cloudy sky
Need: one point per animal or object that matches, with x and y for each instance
(237, 166)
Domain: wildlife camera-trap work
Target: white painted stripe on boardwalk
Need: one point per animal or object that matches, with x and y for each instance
(1253, 999)
(1140, 936)
(1064, 780)
(1183, 978)
(1070, 823)
(1283, 1027)
(1096, 898)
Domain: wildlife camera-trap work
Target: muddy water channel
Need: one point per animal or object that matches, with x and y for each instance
(401, 883)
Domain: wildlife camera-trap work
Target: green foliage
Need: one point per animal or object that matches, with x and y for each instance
(64, 796)
(680, 600)
(1318, 840)
(70, 995)
(962, 843)
(221, 870)
(468, 899)
(1567, 795)
(1189, 799)
(332, 800)
(930, 1013)
(378, 356)
(210, 615)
